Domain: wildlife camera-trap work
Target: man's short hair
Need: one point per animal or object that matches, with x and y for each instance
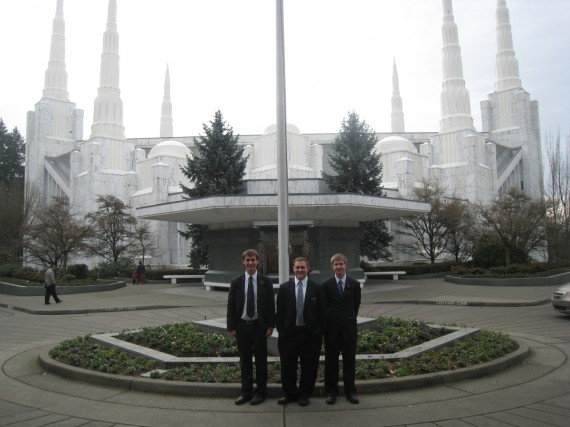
(301, 259)
(250, 253)
(339, 257)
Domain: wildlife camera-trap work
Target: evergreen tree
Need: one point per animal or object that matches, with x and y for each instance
(12, 152)
(218, 168)
(375, 240)
(12, 195)
(358, 169)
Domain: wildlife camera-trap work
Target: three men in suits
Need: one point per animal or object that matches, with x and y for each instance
(251, 319)
(342, 296)
(300, 321)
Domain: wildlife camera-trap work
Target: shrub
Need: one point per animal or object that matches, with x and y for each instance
(7, 270)
(513, 270)
(489, 252)
(411, 270)
(68, 277)
(109, 269)
(80, 271)
(463, 270)
(32, 276)
(159, 273)
(536, 267)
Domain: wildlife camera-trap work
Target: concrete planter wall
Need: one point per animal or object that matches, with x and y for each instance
(558, 279)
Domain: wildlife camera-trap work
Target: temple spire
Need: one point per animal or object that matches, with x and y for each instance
(507, 66)
(455, 102)
(397, 109)
(108, 108)
(55, 86)
(166, 130)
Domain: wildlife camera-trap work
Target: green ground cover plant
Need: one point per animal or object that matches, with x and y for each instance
(182, 340)
(389, 335)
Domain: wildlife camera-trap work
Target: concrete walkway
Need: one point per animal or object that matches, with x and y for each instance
(536, 392)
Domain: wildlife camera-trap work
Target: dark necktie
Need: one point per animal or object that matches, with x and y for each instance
(250, 310)
(340, 288)
(300, 320)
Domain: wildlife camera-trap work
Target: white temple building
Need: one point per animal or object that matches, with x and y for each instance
(469, 164)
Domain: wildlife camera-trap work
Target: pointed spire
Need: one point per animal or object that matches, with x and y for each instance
(397, 109)
(166, 130)
(507, 65)
(455, 102)
(108, 108)
(55, 86)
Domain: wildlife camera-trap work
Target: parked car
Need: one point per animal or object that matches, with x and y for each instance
(561, 299)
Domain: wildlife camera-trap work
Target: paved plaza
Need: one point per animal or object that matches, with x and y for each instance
(535, 392)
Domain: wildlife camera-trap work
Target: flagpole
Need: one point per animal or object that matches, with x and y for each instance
(282, 178)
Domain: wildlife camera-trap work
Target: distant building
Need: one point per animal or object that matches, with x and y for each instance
(478, 166)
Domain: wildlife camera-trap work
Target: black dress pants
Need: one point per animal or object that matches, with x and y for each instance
(304, 348)
(336, 343)
(50, 291)
(251, 341)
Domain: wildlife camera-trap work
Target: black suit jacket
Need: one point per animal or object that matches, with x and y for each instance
(265, 302)
(313, 309)
(342, 312)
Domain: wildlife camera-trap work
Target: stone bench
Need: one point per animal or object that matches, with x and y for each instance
(394, 274)
(174, 277)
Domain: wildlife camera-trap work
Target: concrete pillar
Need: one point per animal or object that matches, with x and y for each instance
(225, 249)
(326, 241)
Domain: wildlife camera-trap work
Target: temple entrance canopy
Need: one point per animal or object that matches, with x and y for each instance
(320, 225)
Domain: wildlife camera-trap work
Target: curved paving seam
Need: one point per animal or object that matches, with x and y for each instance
(159, 307)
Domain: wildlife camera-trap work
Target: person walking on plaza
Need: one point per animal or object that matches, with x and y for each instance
(300, 321)
(49, 284)
(342, 295)
(251, 319)
(140, 273)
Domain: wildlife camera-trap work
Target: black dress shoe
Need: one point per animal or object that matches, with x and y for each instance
(57, 302)
(257, 399)
(353, 398)
(303, 400)
(243, 398)
(48, 303)
(286, 399)
(331, 399)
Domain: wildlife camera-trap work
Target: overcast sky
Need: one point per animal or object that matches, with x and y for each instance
(339, 57)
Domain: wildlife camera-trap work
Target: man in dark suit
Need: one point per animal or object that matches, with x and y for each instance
(251, 319)
(342, 295)
(300, 321)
